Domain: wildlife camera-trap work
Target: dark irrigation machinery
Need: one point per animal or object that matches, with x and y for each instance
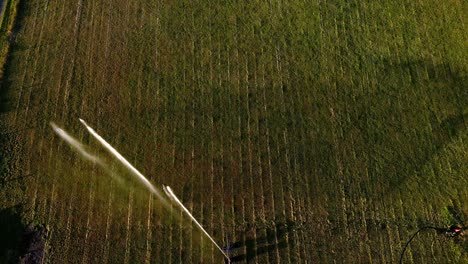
(451, 232)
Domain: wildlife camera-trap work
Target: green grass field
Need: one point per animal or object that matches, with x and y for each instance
(305, 131)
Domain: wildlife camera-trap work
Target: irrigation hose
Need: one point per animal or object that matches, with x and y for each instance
(438, 229)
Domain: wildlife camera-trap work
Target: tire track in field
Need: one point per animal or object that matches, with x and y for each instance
(182, 172)
(293, 102)
(128, 241)
(260, 172)
(38, 55)
(105, 258)
(287, 199)
(100, 81)
(77, 40)
(68, 228)
(234, 171)
(271, 196)
(193, 134)
(239, 134)
(213, 135)
(86, 246)
(221, 160)
(89, 217)
(282, 197)
(70, 243)
(306, 210)
(250, 155)
(298, 99)
(58, 16)
(149, 233)
(42, 147)
(27, 60)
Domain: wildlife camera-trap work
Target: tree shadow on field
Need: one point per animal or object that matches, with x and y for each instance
(275, 238)
(416, 110)
(11, 229)
(6, 85)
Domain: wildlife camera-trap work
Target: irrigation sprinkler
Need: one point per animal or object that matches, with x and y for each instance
(174, 198)
(80, 149)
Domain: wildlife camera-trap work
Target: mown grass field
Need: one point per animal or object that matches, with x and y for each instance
(304, 131)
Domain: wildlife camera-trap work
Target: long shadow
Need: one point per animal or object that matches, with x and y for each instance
(6, 85)
(416, 112)
(274, 239)
(11, 229)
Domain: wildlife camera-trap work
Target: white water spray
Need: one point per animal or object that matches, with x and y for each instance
(75, 144)
(173, 197)
(78, 147)
(125, 163)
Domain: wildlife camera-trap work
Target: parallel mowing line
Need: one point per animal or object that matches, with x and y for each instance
(393, 236)
(341, 176)
(128, 227)
(158, 137)
(231, 158)
(91, 203)
(258, 143)
(76, 33)
(297, 168)
(300, 208)
(89, 217)
(139, 67)
(46, 106)
(140, 72)
(365, 29)
(344, 182)
(249, 148)
(91, 188)
(128, 238)
(149, 233)
(308, 201)
(27, 60)
(51, 154)
(311, 189)
(239, 132)
(363, 245)
(183, 142)
(289, 214)
(164, 229)
(37, 56)
(71, 201)
(68, 229)
(183, 172)
(222, 144)
(202, 178)
(173, 163)
(91, 62)
(270, 174)
(239, 135)
(288, 174)
(363, 210)
(107, 248)
(192, 125)
(213, 136)
(279, 154)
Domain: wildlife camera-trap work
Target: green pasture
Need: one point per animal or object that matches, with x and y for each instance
(302, 131)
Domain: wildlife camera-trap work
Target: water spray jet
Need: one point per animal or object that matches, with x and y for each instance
(77, 146)
(174, 198)
(127, 164)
